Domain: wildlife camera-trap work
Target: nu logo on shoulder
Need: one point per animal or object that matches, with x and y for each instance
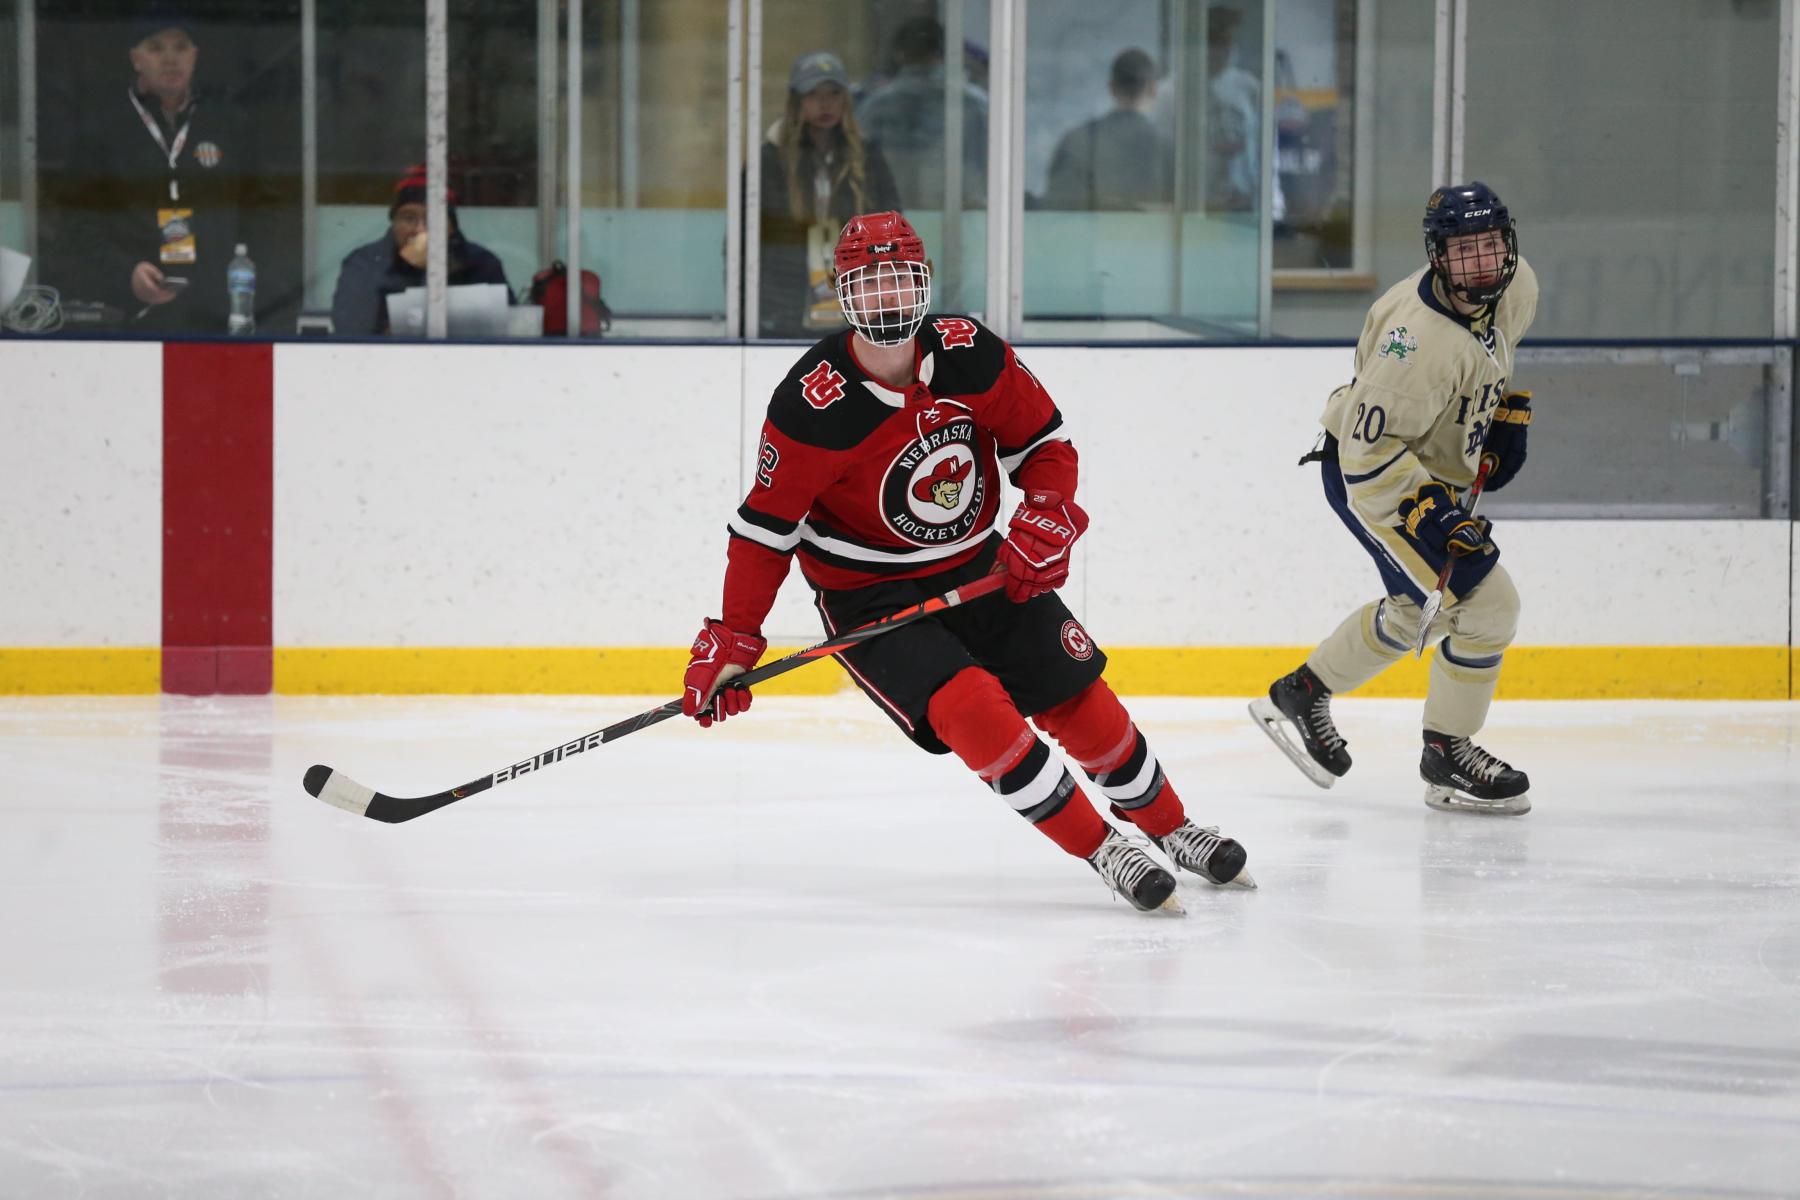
(822, 386)
(958, 333)
(1398, 344)
(934, 490)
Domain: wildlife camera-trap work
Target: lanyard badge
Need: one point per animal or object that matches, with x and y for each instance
(171, 152)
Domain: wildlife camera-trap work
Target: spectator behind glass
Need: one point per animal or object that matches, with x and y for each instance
(396, 261)
(818, 171)
(144, 211)
(1119, 160)
(906, 115)
(1234, 137)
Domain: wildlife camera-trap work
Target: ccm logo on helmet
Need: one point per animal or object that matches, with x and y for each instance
(1477, 212)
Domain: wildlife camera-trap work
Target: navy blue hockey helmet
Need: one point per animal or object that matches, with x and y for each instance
(1469, 208)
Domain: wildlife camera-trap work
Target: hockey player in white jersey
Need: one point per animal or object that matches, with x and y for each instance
(1429, 407)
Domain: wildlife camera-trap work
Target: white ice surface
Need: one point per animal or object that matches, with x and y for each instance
(795, 957)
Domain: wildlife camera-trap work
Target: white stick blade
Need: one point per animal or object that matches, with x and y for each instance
(340, 791)
(1427, 617)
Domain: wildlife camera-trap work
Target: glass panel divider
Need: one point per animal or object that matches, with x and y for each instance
(437, 163)
(950, 240)
(572, 292)
(309, 143)
(1787, 171)
(746, 164)
(1006, 160)
(739, 298)
(548, 177)
(28, 140)
(1265, 223)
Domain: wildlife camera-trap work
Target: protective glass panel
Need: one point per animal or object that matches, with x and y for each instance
(652, 175)
(497, 149)
(1145, 190)
(1317, 78)
(491, 172)
(655, 109)
(166, 138)
(371, 133)
(1696, 442)
(1651, 212)
(12, 222)
(865, 107)
(1380, 155)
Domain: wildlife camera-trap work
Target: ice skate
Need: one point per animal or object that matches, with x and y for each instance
(1134, 874)
(1465, 778)
(1297, 718)
(1204, 851)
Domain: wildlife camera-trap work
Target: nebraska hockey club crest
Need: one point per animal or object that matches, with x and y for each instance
(932, 494)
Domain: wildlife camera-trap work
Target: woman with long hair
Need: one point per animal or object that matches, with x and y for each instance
(817, 173)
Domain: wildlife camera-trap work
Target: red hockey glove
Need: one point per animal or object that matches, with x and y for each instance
(1035, 554)
(719, 655)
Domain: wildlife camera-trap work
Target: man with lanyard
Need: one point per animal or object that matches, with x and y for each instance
(145, 212)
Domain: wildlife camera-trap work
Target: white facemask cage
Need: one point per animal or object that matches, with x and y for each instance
(886, 302)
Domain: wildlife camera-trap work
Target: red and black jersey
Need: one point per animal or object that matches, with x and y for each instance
(866, 482)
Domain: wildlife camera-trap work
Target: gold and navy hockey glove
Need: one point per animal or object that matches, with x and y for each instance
(1505, 452)
(1432, 516)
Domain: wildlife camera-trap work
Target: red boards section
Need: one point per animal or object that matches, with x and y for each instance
(218, 507)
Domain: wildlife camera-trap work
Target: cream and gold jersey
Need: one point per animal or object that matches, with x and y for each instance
(1427, 382)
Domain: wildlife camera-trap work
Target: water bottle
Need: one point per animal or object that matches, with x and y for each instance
(240, 281)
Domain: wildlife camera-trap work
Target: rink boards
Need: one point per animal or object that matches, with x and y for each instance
(548, 518)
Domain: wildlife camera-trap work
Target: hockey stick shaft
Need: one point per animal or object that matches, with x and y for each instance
(1435, 602)
(336, 788)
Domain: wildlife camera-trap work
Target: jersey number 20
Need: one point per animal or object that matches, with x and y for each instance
(1369, 423)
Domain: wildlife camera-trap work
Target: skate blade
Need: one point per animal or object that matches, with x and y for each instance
(1244, 879)
(1270, 720)
(1450, 800)
(1171, 907)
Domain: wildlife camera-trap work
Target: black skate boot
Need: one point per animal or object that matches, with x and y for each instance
(1134, 874)
(1466, 778)
(1202, 850)
(1300, 702)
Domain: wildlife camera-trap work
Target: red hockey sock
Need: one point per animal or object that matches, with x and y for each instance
(1163, 815)
(1098, 733)
(977, 719)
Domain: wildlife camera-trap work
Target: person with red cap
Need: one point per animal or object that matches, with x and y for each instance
(880, 470)
(396, 261)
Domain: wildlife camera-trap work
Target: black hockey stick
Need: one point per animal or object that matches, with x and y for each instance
(337, 788)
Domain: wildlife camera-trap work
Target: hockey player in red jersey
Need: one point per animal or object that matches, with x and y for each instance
(879, 468)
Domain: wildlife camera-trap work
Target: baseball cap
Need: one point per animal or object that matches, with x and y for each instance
(821, 66)
(156, 18)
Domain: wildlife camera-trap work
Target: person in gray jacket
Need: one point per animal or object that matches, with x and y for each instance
(1117, 161)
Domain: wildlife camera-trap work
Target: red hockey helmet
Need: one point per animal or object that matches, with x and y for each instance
(883, 280)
